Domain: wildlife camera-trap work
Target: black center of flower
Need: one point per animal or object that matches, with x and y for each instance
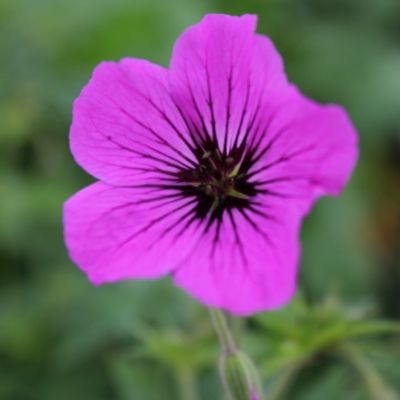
(219, 181)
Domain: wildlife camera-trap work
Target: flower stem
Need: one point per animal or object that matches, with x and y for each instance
(224, 334)
(239, 376)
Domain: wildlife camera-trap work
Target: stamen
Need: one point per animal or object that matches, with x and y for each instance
(235, 170)
(219, 182)
(238, 195)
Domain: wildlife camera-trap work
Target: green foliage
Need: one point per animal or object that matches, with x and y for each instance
(300, 334)
(61, 338)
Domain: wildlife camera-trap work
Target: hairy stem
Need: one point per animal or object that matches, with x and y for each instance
(238, 373)
(224, 334)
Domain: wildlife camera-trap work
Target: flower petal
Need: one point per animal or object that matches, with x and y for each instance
(220, 74)
(307, 150)
(126, 128)
(116, 233)
(248, 263)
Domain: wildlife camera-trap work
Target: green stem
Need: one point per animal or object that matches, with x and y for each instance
(237, 327)
(239, 376)
(376, 386)
(224, 334)
(285, 380)
(186, 383)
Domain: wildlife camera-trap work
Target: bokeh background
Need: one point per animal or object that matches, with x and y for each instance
(61, 338)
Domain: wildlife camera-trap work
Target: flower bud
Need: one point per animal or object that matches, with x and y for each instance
(240, 377)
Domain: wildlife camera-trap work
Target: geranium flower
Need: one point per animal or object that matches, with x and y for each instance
(205, 169)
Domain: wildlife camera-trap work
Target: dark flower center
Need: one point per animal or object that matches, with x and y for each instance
(219, 182)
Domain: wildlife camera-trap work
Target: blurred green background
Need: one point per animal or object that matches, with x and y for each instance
(61, 338)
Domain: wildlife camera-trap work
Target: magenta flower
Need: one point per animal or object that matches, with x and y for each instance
(205, 169)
